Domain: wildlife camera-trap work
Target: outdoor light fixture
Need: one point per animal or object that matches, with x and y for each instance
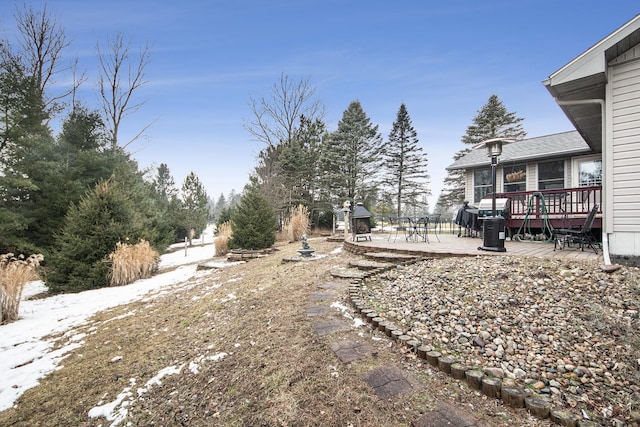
(493, 232)
(346, 208)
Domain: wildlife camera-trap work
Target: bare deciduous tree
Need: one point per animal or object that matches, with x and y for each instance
(41, 43)
(120, 77)
(275, 119)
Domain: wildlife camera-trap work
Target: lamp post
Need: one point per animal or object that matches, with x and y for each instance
(346, 208)
(493, 232)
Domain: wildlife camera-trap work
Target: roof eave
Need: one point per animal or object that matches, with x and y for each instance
(585, 78)
(550, 156)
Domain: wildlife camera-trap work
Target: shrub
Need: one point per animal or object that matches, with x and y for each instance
(14, 275)
(132, 262)
(297, 223)
(254, 221)
(221, 242)
(105, 216)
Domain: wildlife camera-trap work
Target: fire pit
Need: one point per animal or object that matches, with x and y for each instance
(360, 223)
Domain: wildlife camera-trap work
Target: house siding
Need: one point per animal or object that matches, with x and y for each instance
(468, 186)
(625, 126)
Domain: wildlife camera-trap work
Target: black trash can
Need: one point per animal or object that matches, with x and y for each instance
(493, 234)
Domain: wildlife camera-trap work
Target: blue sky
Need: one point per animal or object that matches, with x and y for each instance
(443, 61)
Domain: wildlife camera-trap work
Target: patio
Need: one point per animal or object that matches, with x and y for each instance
(449, 244)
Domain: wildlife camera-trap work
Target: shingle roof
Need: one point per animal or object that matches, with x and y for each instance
(542, 147)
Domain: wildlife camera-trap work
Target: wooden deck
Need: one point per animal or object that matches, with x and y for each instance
(448, 244)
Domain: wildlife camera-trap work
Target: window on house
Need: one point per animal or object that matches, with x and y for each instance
(515, 177)
(551, 175)
(481, 184)
(590, 173)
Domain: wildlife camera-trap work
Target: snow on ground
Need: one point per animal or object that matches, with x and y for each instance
(26, 345)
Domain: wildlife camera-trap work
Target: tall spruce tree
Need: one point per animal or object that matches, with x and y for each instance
(351, 158)
(405, 163)
(492, 121)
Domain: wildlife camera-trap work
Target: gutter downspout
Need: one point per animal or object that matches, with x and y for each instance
(605, 236)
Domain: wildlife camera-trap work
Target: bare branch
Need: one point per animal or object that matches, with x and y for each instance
(120, 78)
(275, 118)
(42, 42)
(77, 81)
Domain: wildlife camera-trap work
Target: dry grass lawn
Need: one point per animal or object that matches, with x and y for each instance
(246, 355)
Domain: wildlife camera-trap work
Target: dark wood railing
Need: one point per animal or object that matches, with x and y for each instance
(561, 206)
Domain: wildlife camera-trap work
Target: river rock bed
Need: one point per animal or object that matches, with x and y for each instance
(563, 329)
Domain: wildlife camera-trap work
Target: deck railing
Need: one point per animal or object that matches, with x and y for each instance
(559, 204)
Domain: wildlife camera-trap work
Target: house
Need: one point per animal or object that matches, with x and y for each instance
(599, 91)
(558, 173)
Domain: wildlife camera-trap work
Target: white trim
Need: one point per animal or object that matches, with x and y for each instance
(592, 61)
(575, 168)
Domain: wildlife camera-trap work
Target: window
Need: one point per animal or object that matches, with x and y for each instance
(481, 184)
(515, 177)
(551, 175)
(590, 173)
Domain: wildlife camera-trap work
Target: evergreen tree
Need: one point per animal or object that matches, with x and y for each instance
(254, 221)
(297, 164)
(220, 205)
(149, 220)
(225, 215)
(171, 221)
(25, 148)
(405, 162)
(351, 158)
(492, 121)
(164, 184)
(195, 205)
(102, 218)
(440, 207)
(453, 184)
(233, 199)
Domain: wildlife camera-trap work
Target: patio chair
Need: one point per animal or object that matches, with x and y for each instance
(419, 230)
(402, 225)
(581, 236)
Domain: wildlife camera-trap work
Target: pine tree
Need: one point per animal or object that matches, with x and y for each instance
(453, 189)
(405, 162)
(171, 222)
(492, 121)
(351, 158)
(220, 205)
(297, 164)
(102, 218)
(254, 220)
(195, 204)
(164, 184)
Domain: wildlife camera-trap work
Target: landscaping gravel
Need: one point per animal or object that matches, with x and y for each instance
(563, 329)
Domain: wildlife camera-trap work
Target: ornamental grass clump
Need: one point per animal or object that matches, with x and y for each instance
(222, 239)
(296, 224)
(132, 262)
(15, 272)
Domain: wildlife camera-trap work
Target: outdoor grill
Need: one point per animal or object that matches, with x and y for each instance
(361, 223)
(503, 206)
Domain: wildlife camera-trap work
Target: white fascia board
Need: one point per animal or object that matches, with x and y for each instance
(592, 61)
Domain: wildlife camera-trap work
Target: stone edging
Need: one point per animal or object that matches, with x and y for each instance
(477, 378)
